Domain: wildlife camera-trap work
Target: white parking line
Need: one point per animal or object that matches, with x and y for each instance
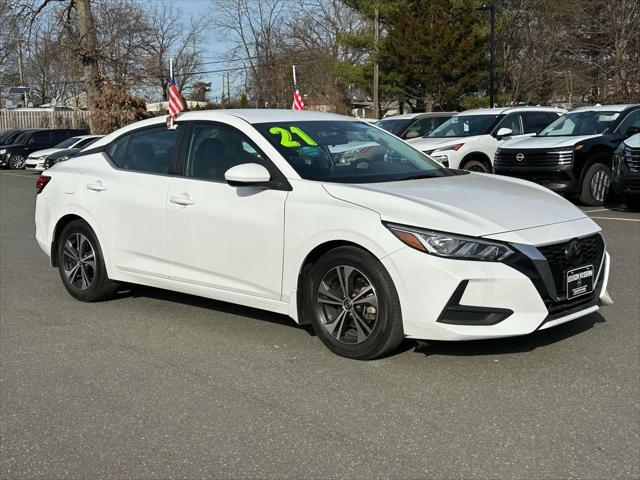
(16, 175)
(617, 218)
(598, 210)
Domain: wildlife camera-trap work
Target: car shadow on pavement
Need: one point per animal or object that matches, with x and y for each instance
(501, 346)
(137, 291)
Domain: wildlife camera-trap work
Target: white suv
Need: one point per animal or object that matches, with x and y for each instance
(469, 140)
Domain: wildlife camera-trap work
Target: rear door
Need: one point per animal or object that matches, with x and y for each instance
(225, 237)
(130, 197)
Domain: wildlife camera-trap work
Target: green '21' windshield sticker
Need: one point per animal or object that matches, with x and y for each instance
(286, 136)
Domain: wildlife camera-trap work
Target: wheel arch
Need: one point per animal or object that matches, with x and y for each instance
(594, 156)
(313, 256)
(477, 155)
(66, 218)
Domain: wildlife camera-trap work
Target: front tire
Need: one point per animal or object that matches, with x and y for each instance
(353, 304)
(16, 162)
(595, 185)
(81, 264)
(476, 166)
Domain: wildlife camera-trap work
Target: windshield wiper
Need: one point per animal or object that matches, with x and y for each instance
(419, 176)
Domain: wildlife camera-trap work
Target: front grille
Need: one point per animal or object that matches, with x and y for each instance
(632, 184)
(592, 254)
(632, 158)
(532, 158)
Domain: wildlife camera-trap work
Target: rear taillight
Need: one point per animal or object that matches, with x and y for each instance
(42, 182)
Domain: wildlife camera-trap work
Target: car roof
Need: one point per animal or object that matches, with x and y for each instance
(272, 115)
(505, 110)
(418, 114)
(606, 108)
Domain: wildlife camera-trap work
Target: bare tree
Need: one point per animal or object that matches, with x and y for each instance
(169, 37)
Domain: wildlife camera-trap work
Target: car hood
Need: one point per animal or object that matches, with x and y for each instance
(41, 153)
(545, 142)
(427, 143)
(633, 141)
(471, 204)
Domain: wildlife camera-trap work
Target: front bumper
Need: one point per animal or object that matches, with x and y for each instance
(625, 180)
(34, 164)
(497, 300)
(558, 179)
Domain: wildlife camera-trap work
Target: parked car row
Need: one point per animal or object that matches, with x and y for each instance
(568, 152)
(20, 148)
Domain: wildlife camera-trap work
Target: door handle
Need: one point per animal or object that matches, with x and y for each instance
(181, 200)
(96, 187)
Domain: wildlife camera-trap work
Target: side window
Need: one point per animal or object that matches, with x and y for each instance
(631, 120)
(536, 121)
(214, 149)
(40, 139)
(117, 150)
(514, 122)
(151, 150)
(84, 142)
(60, 135)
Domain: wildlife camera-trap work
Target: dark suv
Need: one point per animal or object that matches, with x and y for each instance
(574, 154)
(31, 140)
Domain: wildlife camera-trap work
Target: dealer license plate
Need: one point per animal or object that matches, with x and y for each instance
(579, 281)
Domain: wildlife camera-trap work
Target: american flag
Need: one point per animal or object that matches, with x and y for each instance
(298, 104)
(176, 103)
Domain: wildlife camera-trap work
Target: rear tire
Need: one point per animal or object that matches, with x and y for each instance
(16, 162)
(353, 304)
(632, 201)
(81, 264)
(596, 185)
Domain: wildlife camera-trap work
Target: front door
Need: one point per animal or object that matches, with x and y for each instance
(220, 236)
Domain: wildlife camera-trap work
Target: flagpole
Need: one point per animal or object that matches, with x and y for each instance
(294, 75)
(171, 79)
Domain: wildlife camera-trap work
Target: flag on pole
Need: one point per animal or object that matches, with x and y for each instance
(298, 104)
(176, 103)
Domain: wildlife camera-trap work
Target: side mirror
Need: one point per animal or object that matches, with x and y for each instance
(412, 134)
(247, 175)
(503, 132)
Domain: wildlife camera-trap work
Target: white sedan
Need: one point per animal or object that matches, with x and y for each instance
(36, 160)
(261, 208)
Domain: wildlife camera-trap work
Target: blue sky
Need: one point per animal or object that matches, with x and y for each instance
(215, 49)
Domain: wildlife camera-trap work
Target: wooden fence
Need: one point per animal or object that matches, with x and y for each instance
(40, 119)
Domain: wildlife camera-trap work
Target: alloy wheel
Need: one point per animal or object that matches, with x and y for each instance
(17, 162)
(600, 184)
(79, 261)
(347, 304)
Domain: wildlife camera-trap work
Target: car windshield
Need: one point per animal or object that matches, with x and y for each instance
(347, 152)
(582, 123)
(395, 126)
(68, 142)
(465, 126)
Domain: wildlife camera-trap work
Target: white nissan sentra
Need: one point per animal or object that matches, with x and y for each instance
(324, 218)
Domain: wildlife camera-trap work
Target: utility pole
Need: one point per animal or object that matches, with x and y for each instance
(229, 86)
(376, 69)
(222, 91)
(492, 52)
(20, 67)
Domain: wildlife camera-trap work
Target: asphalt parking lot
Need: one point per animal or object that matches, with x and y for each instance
(155, 384)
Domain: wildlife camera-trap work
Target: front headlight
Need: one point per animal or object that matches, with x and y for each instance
(451, 246)
(4, 150)
(454, 148)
